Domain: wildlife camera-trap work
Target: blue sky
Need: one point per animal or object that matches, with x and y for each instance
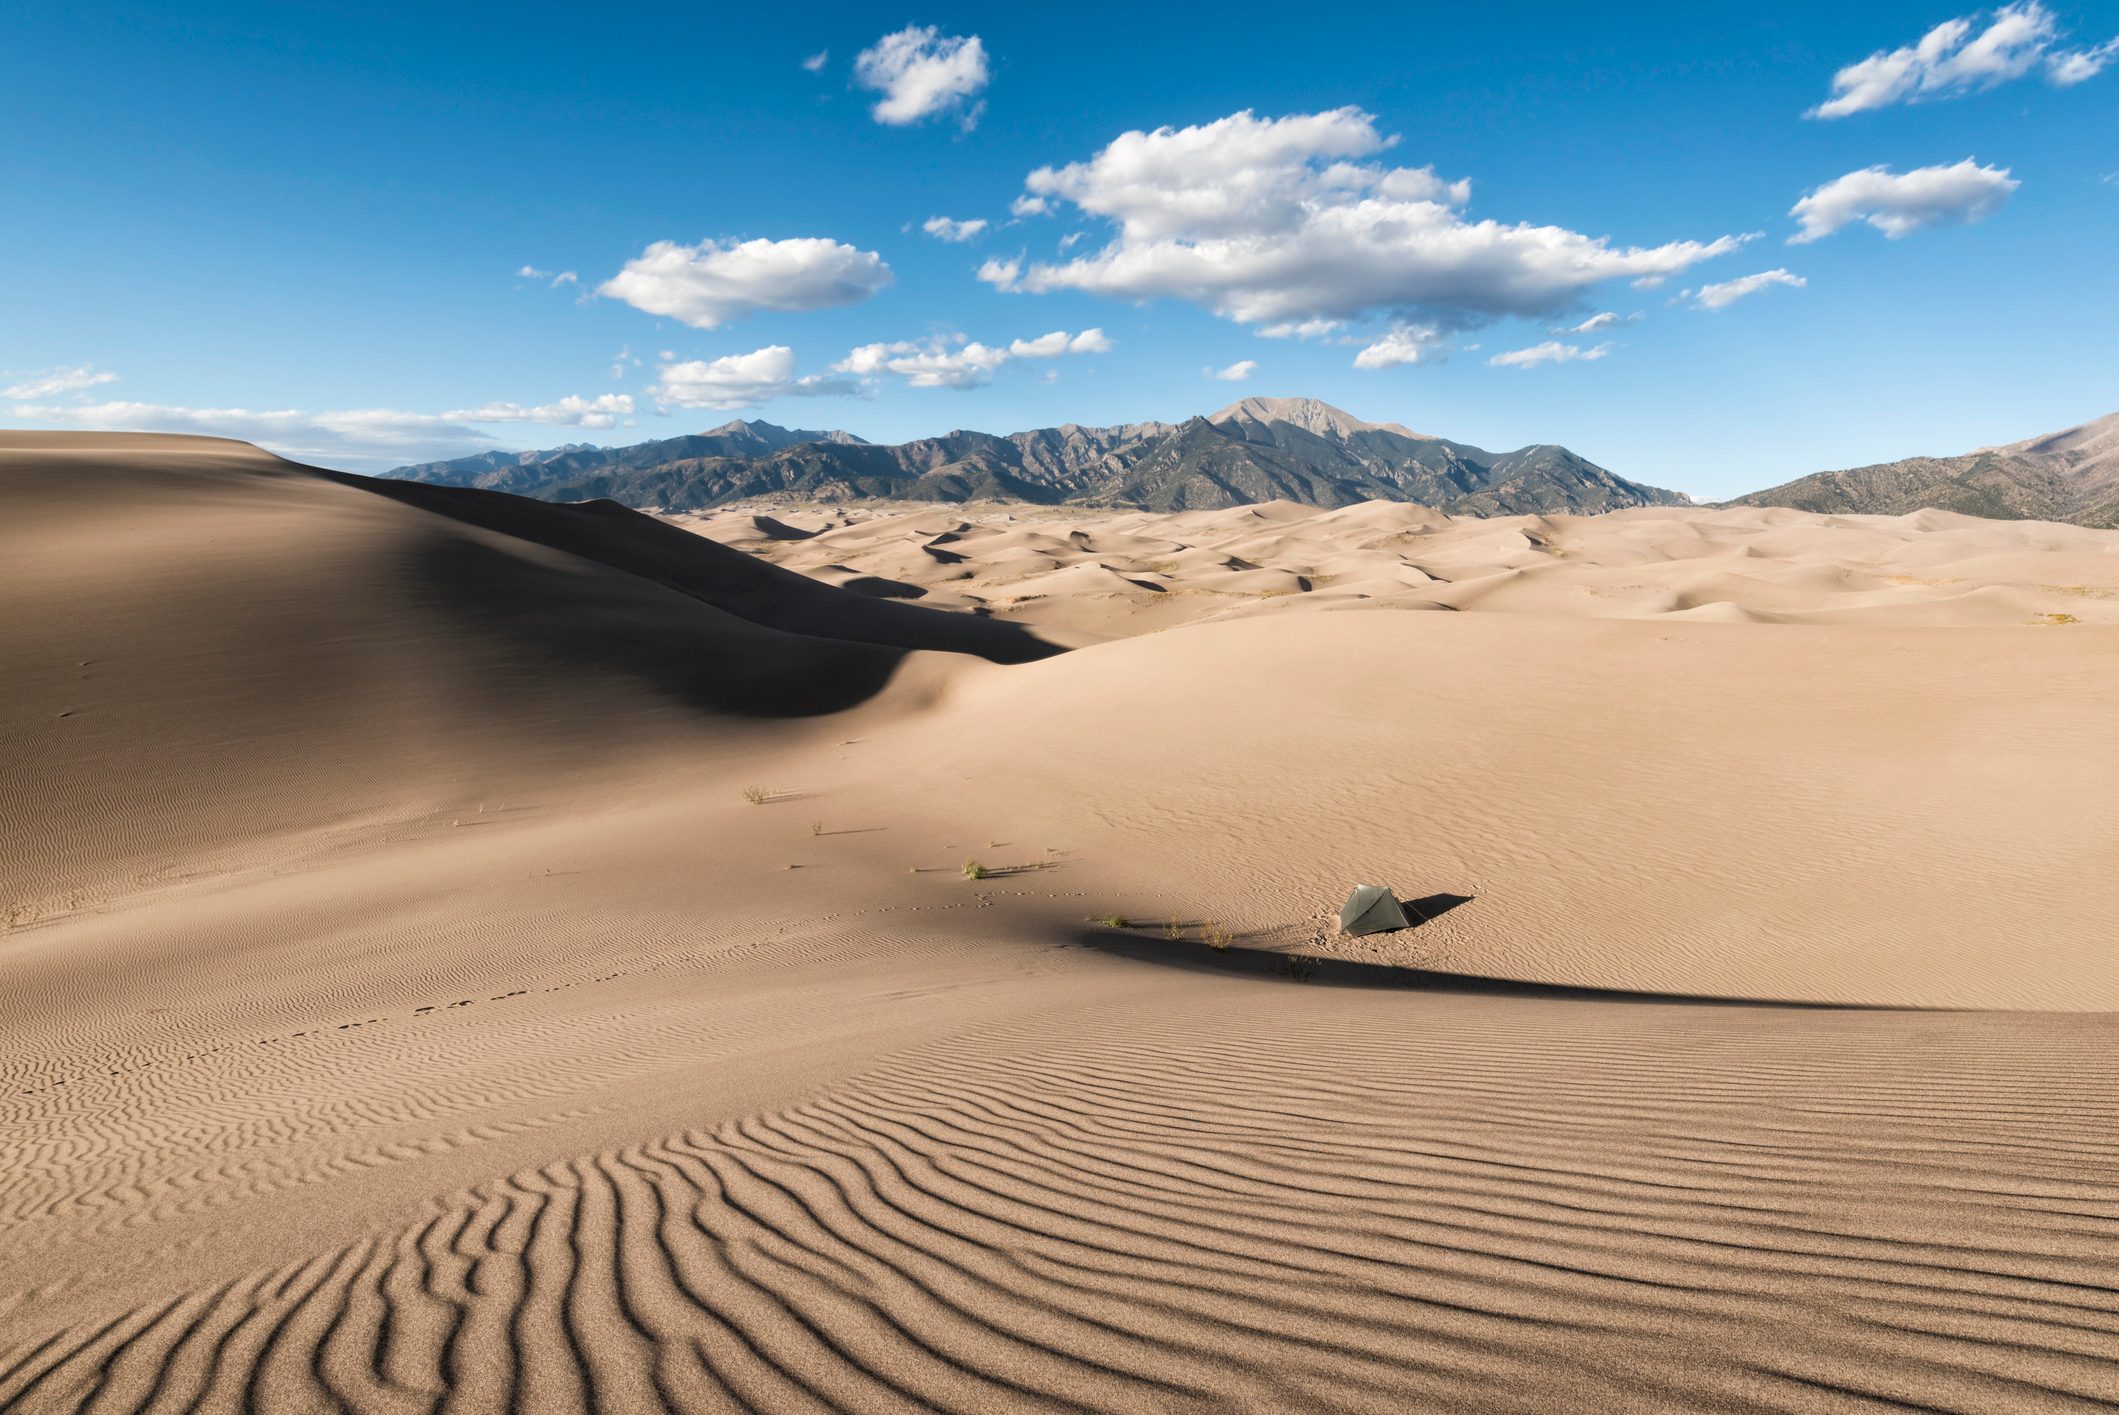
(306, 223)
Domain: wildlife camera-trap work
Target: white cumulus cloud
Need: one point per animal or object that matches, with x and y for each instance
(933, 363)
(1291, 223)
(741, 381)
(1406, 344)
(1552, 351)
(50, 383)
(1728, 292)
(956, 362)
(716, 281)
(944, 229)
(1234, 373)
(921, 72)
(1900, 203)
(1961, 56)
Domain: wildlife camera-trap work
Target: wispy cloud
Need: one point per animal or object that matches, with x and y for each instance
(1234, 373)
(557, 278)
(1596, 322)
(358, 438)
(1552, 351)
(815, 63)
(943, 228)
(1960, 56)
(1728, 292)
(603, 410)
(51, 383)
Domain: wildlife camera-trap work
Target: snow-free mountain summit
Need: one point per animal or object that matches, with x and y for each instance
(1258, 449)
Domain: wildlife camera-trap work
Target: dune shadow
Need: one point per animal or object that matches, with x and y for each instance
(730, 580)
(713, 628)
(1318, 970)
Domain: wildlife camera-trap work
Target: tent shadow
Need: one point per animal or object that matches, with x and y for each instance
(1319, 971)
(1429, 908)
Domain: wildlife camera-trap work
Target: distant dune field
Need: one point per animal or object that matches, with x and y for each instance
(470, 954)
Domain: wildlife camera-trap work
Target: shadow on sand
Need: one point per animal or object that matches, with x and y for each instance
(1319, 971)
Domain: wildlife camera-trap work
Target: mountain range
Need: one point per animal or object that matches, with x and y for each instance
(2070, 476)
(1263, 449)
(1258, 449)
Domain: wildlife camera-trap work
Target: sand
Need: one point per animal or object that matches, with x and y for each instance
(407, 1007)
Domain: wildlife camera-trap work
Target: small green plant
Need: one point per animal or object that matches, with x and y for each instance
(1109, 921)
(1214, 936)
(974, 870)
(1173, 930)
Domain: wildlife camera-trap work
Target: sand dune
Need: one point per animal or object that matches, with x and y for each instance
(1735, 564)
(409, 1008)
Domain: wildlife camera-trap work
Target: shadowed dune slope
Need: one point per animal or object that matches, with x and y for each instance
(204, 642)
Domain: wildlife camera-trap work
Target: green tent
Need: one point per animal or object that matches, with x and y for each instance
(1371, 909)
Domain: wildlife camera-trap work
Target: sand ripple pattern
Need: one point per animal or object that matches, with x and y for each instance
(1464, 1203)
